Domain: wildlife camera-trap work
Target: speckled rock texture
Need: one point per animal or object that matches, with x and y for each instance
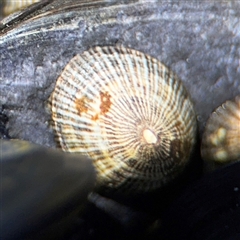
(198, 40)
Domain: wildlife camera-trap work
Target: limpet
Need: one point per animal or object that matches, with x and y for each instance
(221, 138)
(129, 113)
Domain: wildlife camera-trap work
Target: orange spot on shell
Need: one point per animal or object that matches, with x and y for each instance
(81, 105)
(95, 118)
(105, 102)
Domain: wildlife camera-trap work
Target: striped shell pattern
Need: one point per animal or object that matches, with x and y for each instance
(129, 113)
(221, 139)
(11, 6)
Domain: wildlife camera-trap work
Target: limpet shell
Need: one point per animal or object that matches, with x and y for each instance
(11, 6)
(129, 113)
(221, 138)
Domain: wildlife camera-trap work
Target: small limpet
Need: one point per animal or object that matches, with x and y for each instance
(221, 139)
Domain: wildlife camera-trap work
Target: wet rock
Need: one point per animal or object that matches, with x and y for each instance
(3, 121)
(198, 40)
(42, 190)
(208, 209)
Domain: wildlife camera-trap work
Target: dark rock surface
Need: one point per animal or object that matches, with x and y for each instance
(208, 209)
(43, 190)
(198, 40)
(3, 122)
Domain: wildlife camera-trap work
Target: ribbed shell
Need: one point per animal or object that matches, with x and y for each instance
(129, 113)
(221, 139)
(11, 6)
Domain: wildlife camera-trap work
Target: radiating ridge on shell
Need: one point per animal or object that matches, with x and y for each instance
(129, 113)
(221, 139)
(10, 6)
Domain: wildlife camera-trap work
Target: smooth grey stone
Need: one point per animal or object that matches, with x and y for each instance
(42, 190)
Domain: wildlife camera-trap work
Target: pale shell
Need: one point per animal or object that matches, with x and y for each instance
(221, 138)
(11, 6)
(129, 113)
